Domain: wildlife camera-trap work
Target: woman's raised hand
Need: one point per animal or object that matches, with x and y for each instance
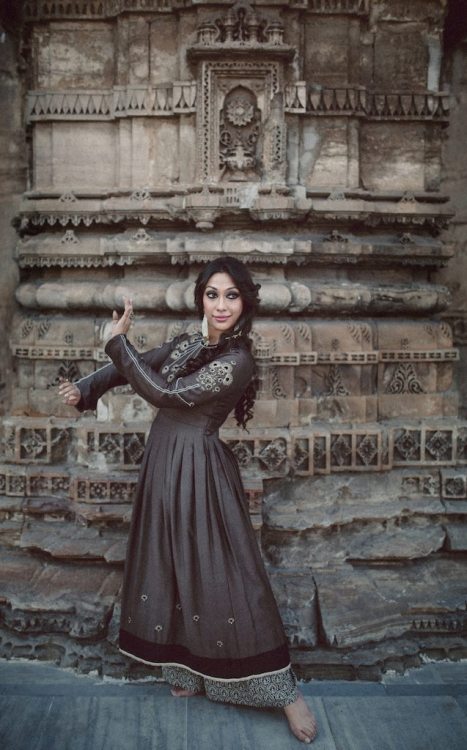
(69, 392)
(122, 325)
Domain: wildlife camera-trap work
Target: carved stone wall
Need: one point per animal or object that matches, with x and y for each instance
(12, 184)
(304, 137)
(455, 185)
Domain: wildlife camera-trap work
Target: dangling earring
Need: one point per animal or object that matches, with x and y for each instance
(204, 328)
(237, 331)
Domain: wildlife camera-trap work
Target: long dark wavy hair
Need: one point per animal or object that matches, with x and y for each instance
(242, 279)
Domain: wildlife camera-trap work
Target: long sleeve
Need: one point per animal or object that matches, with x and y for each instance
(224, 378)
(93, 386)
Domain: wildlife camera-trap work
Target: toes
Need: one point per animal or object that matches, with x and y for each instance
(310, 732)
(302, 735)
(310, 728)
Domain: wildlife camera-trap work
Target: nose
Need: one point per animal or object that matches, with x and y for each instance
(221, 303)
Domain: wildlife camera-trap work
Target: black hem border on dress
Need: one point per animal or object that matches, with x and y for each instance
(268, 661)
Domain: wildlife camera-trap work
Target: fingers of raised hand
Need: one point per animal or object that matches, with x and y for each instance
(69, 392)
(64, 385)
(128, 312)
(122, 324)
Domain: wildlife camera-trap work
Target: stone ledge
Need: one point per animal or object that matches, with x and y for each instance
(372, 661)
(100, 656)
(334, 503)
(205, 206)
(277, 296)
(400, 539)
(369, 604)
(84, 249)
(73, 542)
(43, 597)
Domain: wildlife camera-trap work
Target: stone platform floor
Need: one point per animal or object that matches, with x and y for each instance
(43, 707)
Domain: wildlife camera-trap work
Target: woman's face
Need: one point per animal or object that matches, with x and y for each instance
(222, 305)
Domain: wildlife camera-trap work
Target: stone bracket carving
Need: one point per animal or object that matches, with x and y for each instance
(121, 101)
(260, 203)
(353, 7)
(41, 10)
(144, 246)
(450, 623)
(305, 98)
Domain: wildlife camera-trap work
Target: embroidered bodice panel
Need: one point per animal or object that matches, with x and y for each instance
(214, 388)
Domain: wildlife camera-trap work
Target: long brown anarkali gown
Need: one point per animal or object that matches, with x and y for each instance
(196, 598)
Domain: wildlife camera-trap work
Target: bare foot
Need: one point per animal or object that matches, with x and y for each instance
(179, 692)
(301, 720)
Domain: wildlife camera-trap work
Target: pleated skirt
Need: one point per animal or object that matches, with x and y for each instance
(196, 597)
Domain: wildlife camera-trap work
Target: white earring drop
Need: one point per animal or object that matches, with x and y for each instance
(204, 328)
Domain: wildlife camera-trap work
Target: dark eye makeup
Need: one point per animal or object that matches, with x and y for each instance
(211, 294)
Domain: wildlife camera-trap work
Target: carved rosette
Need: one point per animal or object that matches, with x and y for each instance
(240, 127)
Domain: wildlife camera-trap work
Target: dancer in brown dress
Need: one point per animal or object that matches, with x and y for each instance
(196, 597)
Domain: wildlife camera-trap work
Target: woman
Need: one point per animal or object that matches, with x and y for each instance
(196, 598)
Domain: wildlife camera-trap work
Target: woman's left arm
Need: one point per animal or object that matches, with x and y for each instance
(94, 385)
(230, 372)
(85, 392)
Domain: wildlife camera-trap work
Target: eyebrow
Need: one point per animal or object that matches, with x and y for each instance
(229, 289)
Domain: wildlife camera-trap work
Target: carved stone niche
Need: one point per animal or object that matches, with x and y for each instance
(240, 113)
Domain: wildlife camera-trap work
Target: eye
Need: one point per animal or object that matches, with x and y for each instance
(211, 295)
(233, 295)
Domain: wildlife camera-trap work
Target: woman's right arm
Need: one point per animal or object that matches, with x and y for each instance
(85, 393)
